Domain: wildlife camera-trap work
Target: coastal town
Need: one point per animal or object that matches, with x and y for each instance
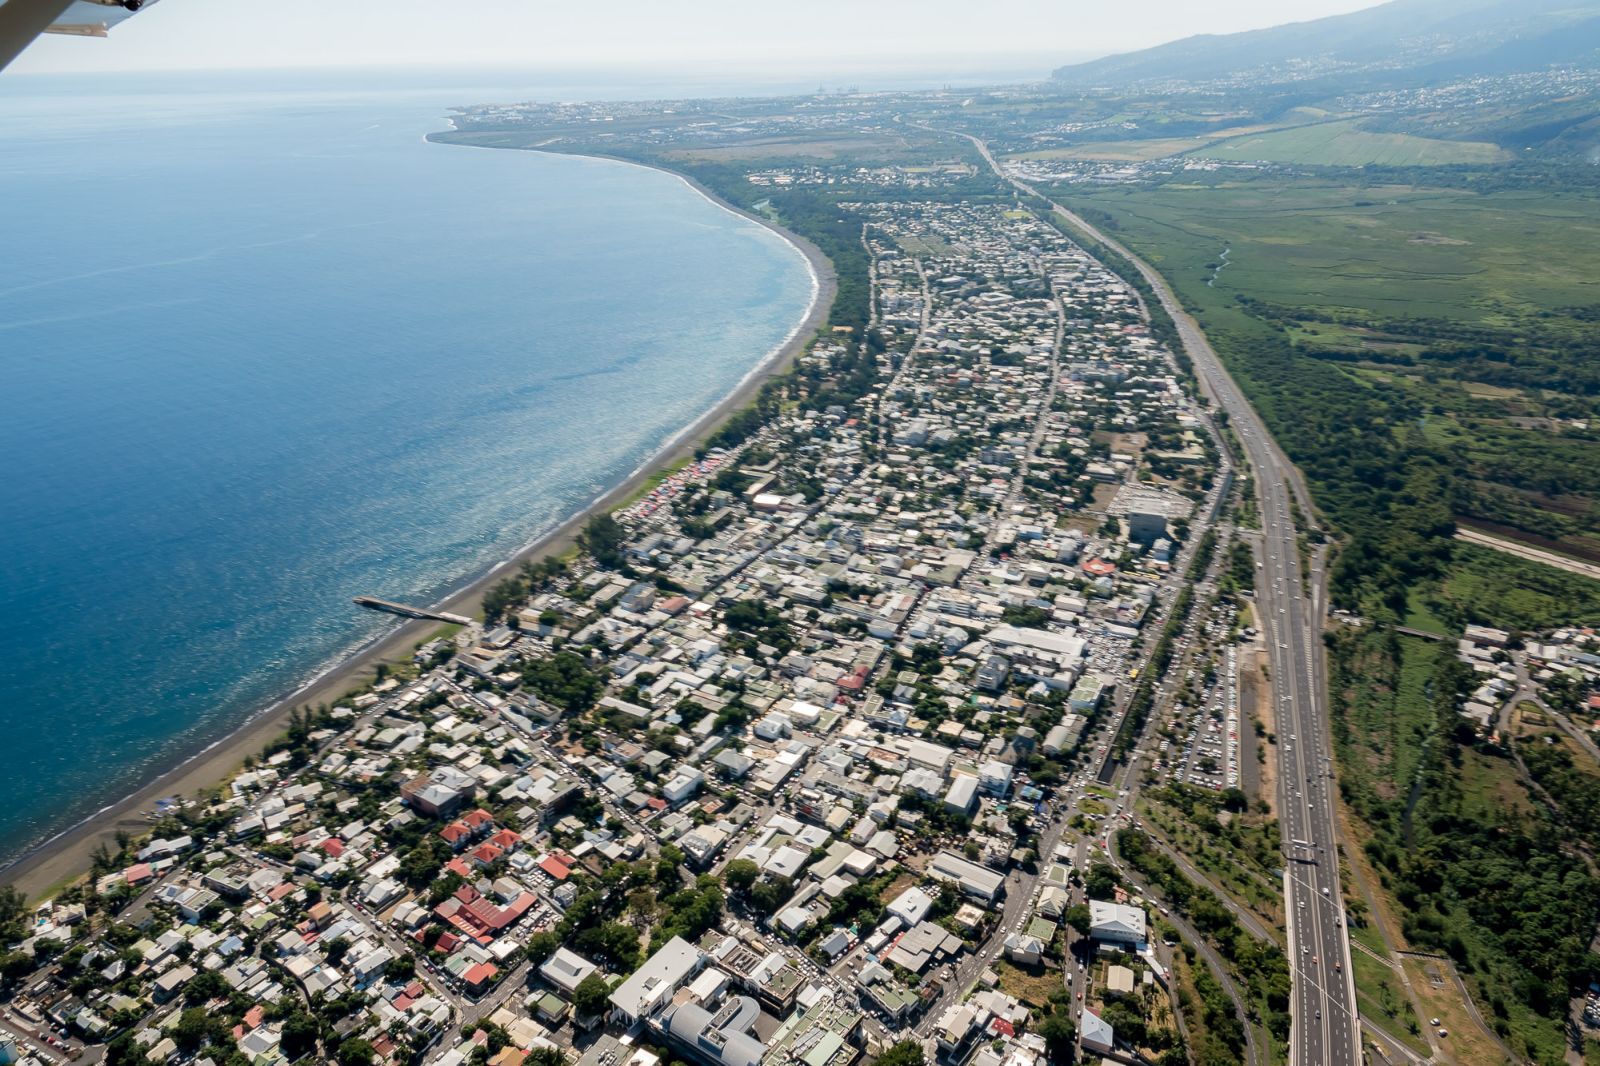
(812, 753)
(835, 743)
(879, 535)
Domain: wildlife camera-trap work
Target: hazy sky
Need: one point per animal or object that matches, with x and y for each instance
(804, 34)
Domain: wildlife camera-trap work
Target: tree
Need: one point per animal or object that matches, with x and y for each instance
(190, 1032)
(300, 1032)
(753, 622)
(542, 945)
(1077, 916)
(102, 861)
(356, 1052)
(13, 910)
(691, 912)
(614, 942)
(1101, 881)
(15, 965)
(767, 896)
(502, 596)
(124, 1052)
(602, 538)
(421, 864)
(335, 949)
(667, 863)
(591, 996)
(565, 680)
(444, 888)
(740, 874)
(1060, 1037)
(495, 1037)
(545, 1056)
(904, 1053)
(205, 987)
(1028, 615)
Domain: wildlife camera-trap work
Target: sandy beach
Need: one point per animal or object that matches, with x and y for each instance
(68, 854)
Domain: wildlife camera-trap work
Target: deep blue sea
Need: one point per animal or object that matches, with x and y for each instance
(263, 348)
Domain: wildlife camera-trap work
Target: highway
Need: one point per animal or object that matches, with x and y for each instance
(1323, 1001)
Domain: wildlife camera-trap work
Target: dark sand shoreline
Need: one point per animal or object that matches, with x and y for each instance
(68, 854)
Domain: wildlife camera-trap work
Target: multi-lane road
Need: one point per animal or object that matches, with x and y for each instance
(1326, 1028)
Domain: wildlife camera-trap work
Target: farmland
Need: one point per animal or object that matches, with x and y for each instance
(1121, 151)
(1345, 143)
(1457, 318)
(1389, 249)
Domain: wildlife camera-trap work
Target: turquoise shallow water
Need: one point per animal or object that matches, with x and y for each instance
(263, 349)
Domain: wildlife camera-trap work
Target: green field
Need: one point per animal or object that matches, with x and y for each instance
(1424, 354)
(835, 146)
(922, 245)
(1380, 997)
(1119, 151)
(1390, 249)
(1517, 592)
(1346, 144)
(1461, 319)
(1386, 723)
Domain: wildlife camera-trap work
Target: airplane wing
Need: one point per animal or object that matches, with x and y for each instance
(23, 20)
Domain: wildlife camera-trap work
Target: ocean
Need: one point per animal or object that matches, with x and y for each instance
(265, 349)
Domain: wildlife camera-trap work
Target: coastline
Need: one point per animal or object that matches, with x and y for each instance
(67, 854)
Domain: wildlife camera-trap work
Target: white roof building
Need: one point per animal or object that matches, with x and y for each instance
(963, 791)
(566, 970)
(974, 880)
(911, 906)
(1095, 1032)
(1065, 647)
(652, 985)
(994, 777)
(1115, 923)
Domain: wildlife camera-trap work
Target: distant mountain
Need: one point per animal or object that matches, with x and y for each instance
(1422, 39)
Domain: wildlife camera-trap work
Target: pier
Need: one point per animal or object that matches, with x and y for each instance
(407, 611)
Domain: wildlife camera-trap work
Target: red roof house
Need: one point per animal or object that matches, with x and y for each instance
(486, 854)
(477, 977)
